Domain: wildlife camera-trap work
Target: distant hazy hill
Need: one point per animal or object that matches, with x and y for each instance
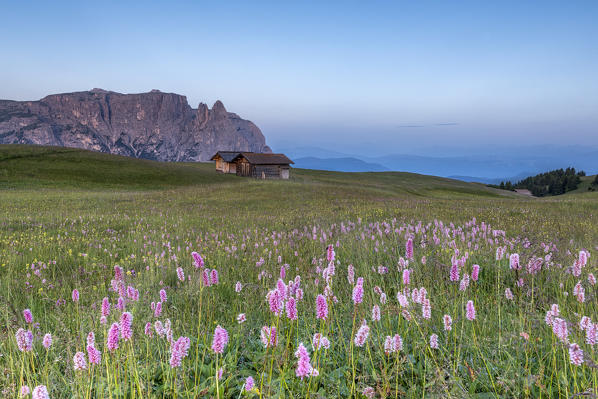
(489, 166)
(338, 164)
(154, 125)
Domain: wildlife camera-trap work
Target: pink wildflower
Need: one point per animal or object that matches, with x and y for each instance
(148, 329)
(475, 272)
(214, 277)
(470, 311)
(319, 341)
(402, 300)
(426, 309)
(351, 274)
(40, 392)
(105, 307)
(358, 291)
(330, 255)
(198, 260)
(94, 355)
(91, 339)
(434, 341)
(205, 277)
(398, 342)
(362, 335)
(304, 368)
(179, 349)
(220, 340)
(514, 262)
(269, 336)
(592, 334)
(409, 249)
(28, 316)
(249, 384)
(24, 390)
(291, 307)
(406, 273)
(591, 279)
(575, 354)
(126, 319)
(238, 287)
(376, 313)
(158, 309)
(559, 328)
(508, 294)
(454, 275)
(241, 318)
(321, 307)
(163, 296)
(47, 341)
(389, 345)
(24, 340)
(180, 273)
(113, 336)
(79, 362)
(448, 322)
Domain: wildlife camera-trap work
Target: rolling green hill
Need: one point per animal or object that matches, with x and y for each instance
(26, 166)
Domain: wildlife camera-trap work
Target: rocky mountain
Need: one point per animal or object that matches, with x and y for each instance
(154, 125)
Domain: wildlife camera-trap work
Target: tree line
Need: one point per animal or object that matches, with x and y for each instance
(555, 182)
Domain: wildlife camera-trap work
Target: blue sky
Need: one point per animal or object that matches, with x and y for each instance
(383, 76)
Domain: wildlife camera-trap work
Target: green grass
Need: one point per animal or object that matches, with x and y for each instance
(88, 212)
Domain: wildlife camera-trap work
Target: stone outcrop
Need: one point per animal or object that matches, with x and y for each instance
(154, 125)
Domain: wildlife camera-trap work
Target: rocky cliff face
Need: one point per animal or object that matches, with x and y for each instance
(154, 125)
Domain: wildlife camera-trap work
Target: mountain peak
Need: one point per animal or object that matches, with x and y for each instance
(162, 127)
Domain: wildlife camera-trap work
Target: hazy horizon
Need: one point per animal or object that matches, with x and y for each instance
(382, 77)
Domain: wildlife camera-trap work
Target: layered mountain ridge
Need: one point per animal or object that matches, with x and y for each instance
(154, 125)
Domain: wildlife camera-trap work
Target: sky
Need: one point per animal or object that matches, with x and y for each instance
(382, 77)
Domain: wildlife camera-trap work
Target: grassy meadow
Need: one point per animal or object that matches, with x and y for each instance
(329, 285)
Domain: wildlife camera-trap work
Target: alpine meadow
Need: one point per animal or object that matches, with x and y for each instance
(399, 199)
(128, 278)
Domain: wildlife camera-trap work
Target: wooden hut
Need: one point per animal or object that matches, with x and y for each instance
(224, 161)
(262, 166)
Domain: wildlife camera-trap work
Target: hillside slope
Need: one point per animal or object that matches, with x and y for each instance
(26, 166)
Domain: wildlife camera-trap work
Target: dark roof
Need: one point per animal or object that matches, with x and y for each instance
(227, 156)
(265, 159)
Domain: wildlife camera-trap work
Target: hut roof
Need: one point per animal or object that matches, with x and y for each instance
(265, 159)
(227, 156)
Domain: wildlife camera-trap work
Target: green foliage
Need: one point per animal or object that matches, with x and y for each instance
(88, 212)
(555, 182)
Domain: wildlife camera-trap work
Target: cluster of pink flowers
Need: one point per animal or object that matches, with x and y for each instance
(269, 336)
(319, 341)
(126, 330)
(24, 340)
(40, 392)
(179, 349)
(575, 354)
(47, 341)
(304, 368)
(362, 335)
(409, 249)
(75, 295)
(393, 344)
(113, 337)
(470, 311)
(220, 340)
(358, 291)
(321, 307)
(197, 259)
(448, 322)
(434, 341)
(28, 316)
(514, 262)
(180, 273)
